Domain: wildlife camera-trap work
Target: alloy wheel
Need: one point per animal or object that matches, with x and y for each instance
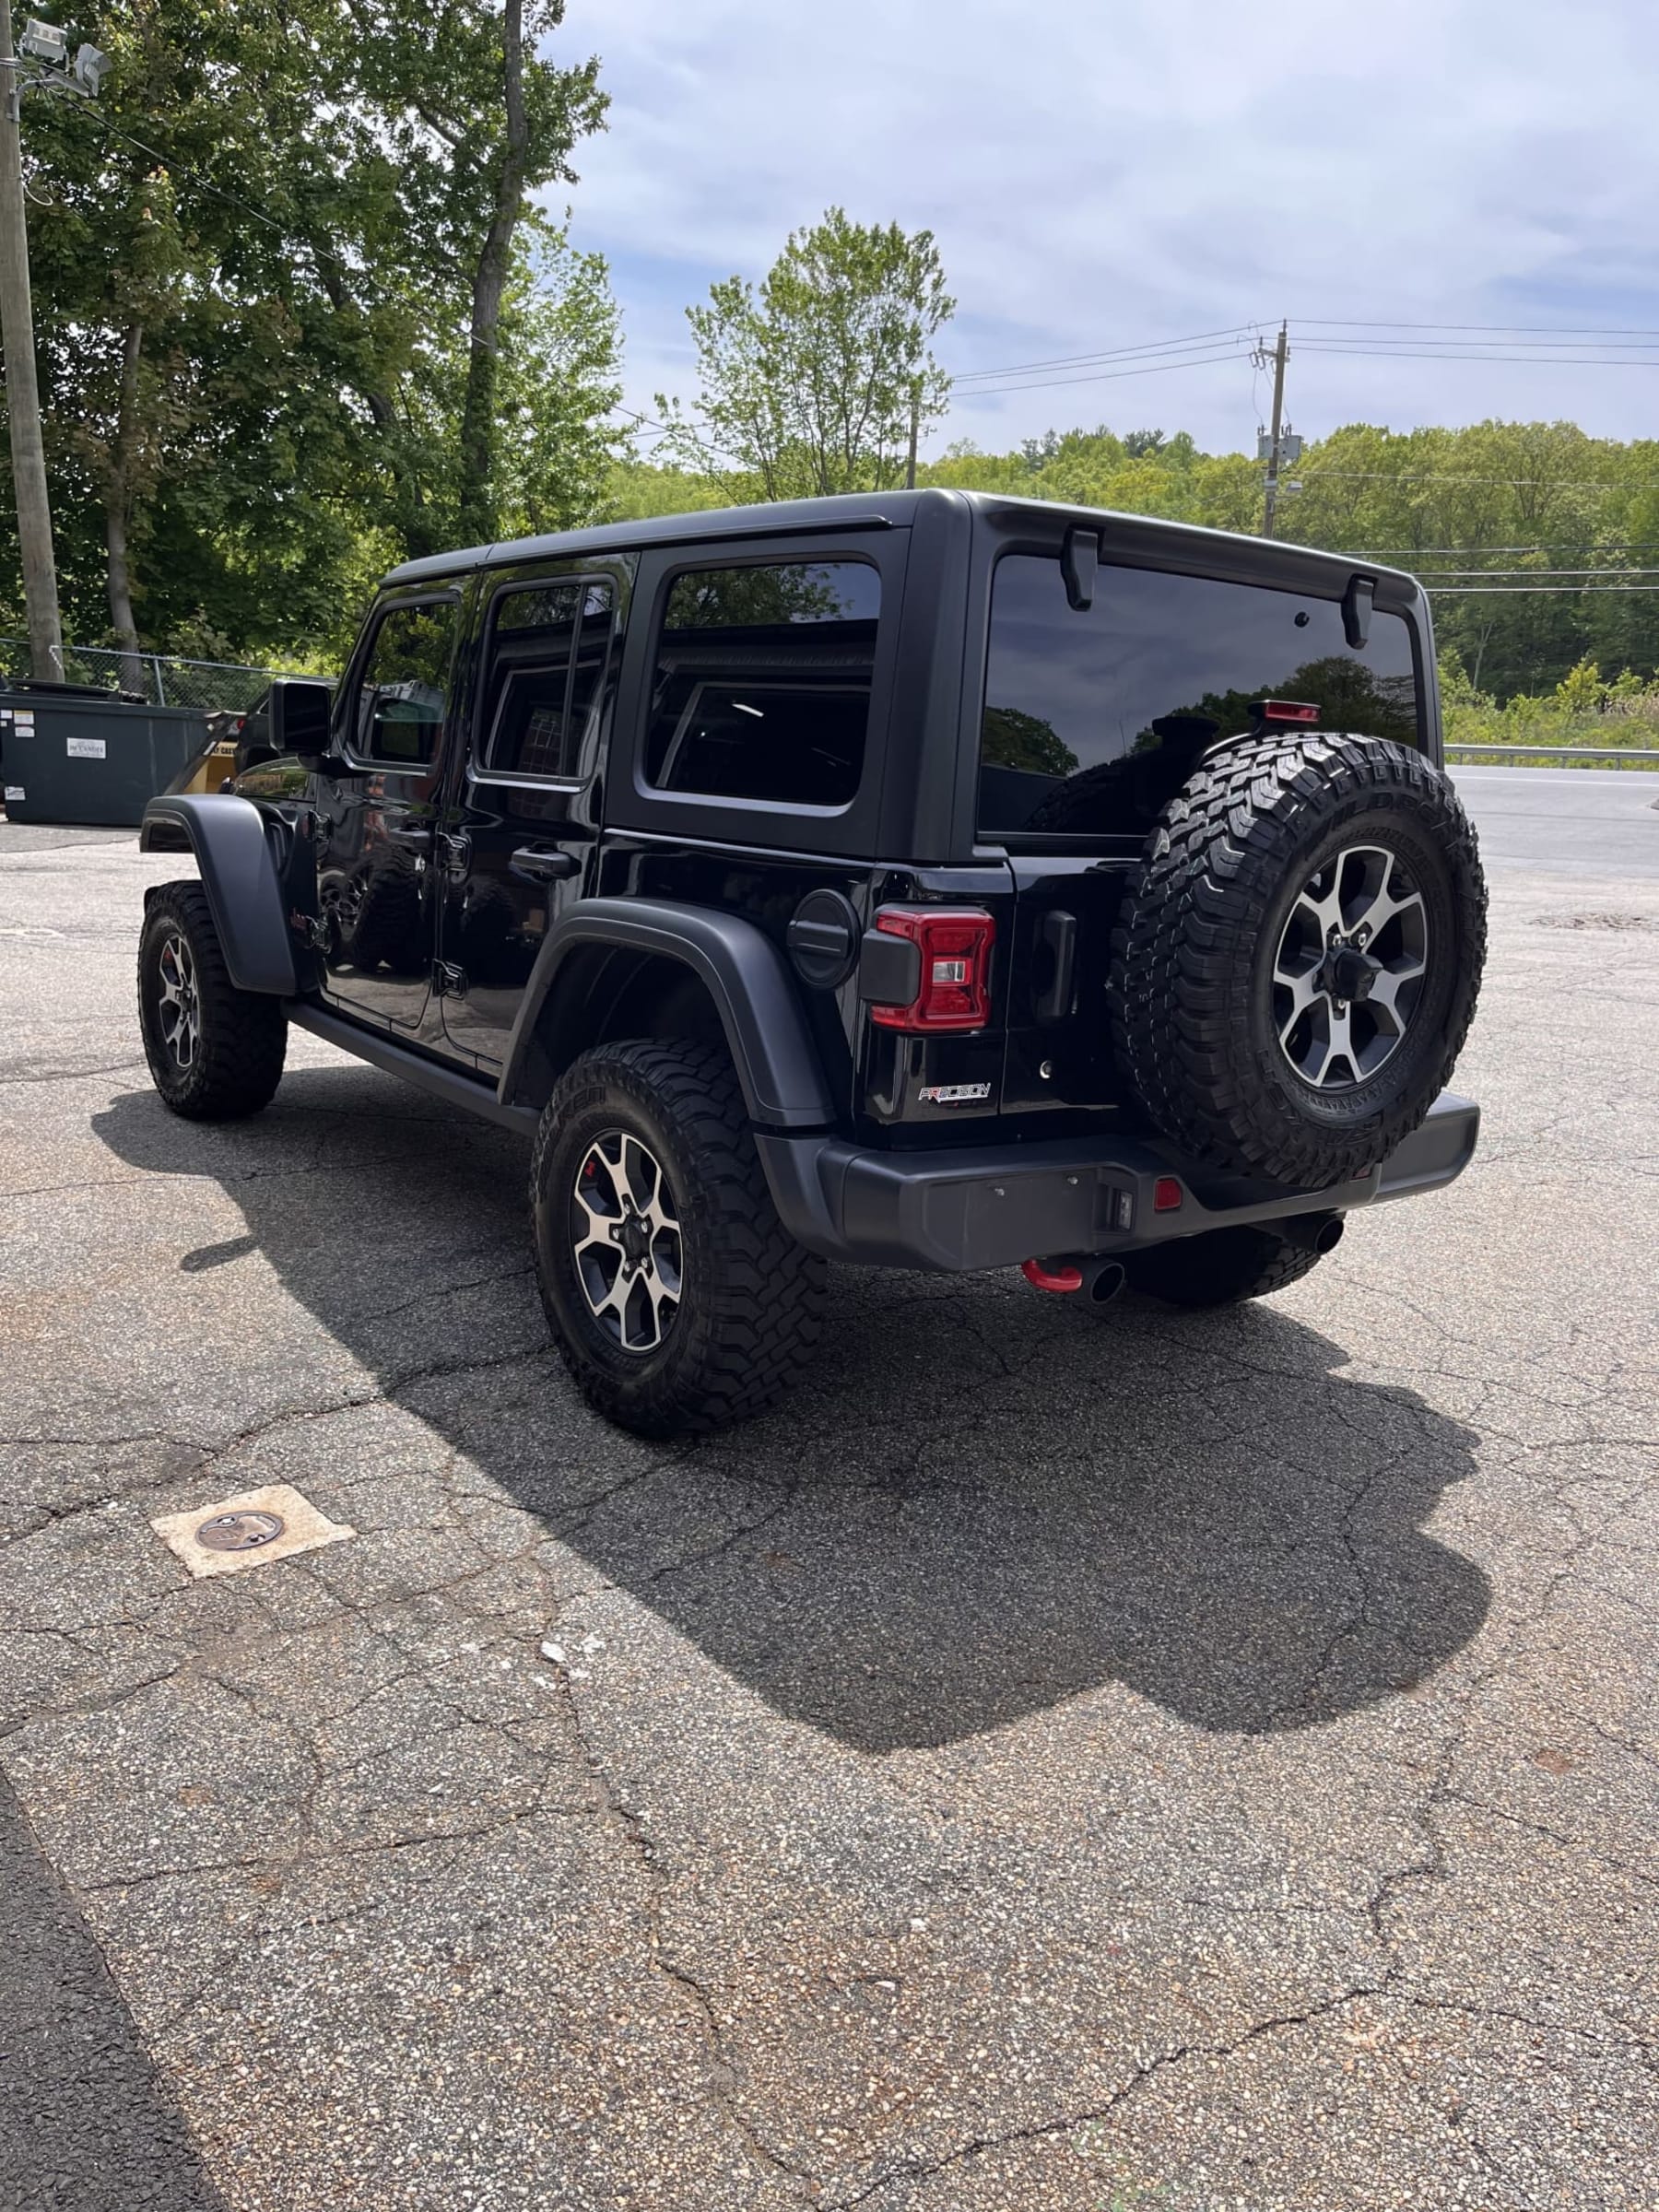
(179, 1007)
(626, 1242)
(1350, 966)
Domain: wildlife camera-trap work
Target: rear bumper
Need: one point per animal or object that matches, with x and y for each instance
(999, 1205)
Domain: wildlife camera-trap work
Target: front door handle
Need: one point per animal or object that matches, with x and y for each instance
(541, 866)
(414, 841)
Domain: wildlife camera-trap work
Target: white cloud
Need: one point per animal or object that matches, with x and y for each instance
(1103, 172)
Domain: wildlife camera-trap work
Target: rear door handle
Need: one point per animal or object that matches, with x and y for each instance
(418, 841)
(544, 867)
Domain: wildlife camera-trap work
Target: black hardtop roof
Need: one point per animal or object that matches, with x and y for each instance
(851, 510)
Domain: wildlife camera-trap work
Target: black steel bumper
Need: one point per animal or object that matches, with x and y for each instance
(997, 1205)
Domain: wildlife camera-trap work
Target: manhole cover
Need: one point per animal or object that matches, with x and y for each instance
(240, 1532)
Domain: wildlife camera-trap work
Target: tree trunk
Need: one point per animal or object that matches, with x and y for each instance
(117, 506)
(479, 517)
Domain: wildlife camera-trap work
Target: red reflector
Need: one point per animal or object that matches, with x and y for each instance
(1051, 1278)
(954, 990)
(1287, 710)
(1167, 1194)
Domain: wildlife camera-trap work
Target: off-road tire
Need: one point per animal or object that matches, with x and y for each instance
(750, 1311)
(1190, 994)
(1222, 1267)
(242, 1036)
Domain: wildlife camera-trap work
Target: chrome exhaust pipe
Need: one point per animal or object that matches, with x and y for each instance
(1313, 1232)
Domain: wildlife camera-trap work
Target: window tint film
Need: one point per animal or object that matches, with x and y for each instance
(548, 647)
(1086, 713)
(762, 683)
(405, 684)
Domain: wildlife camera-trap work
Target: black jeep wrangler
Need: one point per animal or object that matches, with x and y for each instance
(916, 879)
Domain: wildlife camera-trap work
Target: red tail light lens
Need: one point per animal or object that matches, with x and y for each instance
(955, 944)
(1286, 709)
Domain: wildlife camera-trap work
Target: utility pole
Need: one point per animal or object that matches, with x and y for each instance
(22, 388)
(1279, 356)
(910, 471)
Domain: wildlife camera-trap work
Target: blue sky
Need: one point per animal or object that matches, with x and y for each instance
(1108, 174)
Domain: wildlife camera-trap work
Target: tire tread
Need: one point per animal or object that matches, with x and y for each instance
(244, 1034)
(1218, 855)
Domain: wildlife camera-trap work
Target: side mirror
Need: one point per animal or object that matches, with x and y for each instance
(296, 713)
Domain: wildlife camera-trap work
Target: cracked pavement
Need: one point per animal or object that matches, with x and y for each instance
(1060, 1761)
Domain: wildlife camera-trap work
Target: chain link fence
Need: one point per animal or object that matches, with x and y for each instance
(160, 680)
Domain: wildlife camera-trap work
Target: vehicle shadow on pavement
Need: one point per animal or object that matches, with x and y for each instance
(84, 2119)
(980, 1502)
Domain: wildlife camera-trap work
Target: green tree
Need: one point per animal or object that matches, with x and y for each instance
(812, 383)
(477, 117)
(299, 315)
(556, 384)
(1016, 740)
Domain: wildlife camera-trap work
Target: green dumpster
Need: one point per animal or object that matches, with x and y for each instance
(70, 753)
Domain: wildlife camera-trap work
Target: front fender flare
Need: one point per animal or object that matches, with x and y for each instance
(744, 973)
(238, 874)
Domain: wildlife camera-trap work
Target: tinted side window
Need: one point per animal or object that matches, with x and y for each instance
(548, 649)
(762, 688)
(405, 690)
(1085, 713)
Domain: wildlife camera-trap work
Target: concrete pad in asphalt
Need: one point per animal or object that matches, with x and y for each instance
(1056, 1760)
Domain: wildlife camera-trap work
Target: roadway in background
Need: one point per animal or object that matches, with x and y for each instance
(1600, 822)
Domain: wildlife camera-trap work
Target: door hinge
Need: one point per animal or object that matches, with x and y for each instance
(448, 981)
(455, 848)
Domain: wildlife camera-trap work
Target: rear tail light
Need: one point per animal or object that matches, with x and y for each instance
(954, 990)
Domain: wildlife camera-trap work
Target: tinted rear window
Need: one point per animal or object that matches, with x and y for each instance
(762, 683)
(1084, 710)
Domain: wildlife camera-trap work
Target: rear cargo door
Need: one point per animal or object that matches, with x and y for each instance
(1059, 1051)
(1096, 709)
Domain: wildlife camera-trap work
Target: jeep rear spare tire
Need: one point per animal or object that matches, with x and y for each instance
(1298, 968)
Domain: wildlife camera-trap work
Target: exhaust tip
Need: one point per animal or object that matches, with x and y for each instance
(1315, 1232)
(1107, 1280)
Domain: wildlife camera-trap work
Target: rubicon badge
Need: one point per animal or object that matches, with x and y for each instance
(953, 1094)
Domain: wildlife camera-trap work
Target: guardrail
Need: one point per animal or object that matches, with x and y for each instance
(1556, 752)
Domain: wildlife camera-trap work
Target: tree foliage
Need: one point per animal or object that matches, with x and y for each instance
(812, 383)
(1496, 501)
(300, 313)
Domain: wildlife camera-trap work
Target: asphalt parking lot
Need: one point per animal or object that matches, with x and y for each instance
(1144, 1763)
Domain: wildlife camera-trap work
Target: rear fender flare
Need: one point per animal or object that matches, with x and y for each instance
(238, 874)
(745, 974)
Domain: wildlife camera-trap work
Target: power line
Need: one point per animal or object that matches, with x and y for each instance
(1108, 375)
(1111, 353)
(1539, 360)
(1444, 573)
(176, 167)
(1389, 475)
(1522, 329)
(1494, 347)
(1527, 591)
(1642, 545)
